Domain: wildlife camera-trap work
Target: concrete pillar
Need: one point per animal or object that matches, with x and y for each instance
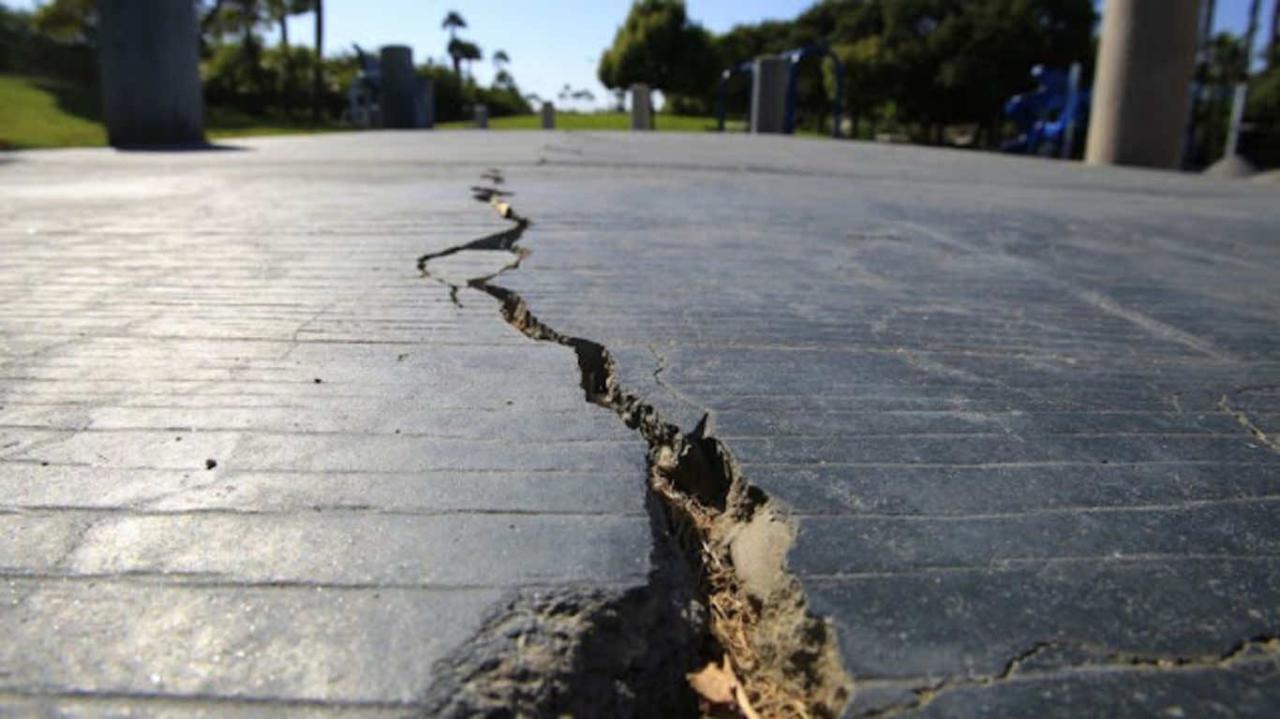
(482, 116)
(641, 108)
(548, 116)
(1141, 90)
(769, 80)
(426, 103)
(399, 87)
(151, 93)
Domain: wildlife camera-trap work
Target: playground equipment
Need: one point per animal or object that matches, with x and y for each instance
(388, 92)
(364, 93)
(1049, 117)
(794, 57)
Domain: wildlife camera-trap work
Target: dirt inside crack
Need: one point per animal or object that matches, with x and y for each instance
(719, 586)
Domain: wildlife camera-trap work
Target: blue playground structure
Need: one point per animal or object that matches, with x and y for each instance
(1049, 117)
(364, 94)
(794, 56)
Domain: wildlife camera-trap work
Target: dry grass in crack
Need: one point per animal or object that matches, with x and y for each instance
(787, 658)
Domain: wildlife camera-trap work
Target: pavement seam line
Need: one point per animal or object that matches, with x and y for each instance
(733, 537)
(1260, 649)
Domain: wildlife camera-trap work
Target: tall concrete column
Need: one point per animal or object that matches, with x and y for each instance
(641, 108)
(769, 80)
(1141, 90)
(426, 102)
(399, 87)
(151, 93)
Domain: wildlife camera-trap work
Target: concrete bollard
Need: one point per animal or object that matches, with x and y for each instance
(482, 116)
(399, 87)
(1141, 89)
(548, 116)
(151, 94)
(641, 108)
(769, 94)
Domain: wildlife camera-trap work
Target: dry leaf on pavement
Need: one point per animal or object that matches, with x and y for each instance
(718, 688)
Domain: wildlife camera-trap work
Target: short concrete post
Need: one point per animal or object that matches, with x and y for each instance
(641, 108)
(769, 80)
(548, 116)
(1141, 90)
(399, 87)
(482, 117)
(151, 92)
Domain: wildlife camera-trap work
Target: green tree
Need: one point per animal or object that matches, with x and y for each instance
(453, 22)
(67, 20)
(660, 46)
(1225, 57)
(461, 51)
(279, 12)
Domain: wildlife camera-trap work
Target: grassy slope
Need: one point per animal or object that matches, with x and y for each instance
(37, 113)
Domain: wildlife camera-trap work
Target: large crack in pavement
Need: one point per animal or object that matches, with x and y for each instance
(719, 591)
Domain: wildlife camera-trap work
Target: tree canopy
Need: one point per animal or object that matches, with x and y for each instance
(67, 19)
(453, 22)
(928, 62)
(660, 46)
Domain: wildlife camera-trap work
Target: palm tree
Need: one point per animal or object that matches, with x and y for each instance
(279, 11)
(1274, 44)
(455, 54)
(501, 59)
(317, 69)
(471, 52)
(246, 16)
(463, 50)
(1249, 36)
(453, 22)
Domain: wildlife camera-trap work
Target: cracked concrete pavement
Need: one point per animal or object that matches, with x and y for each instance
(1022, 414)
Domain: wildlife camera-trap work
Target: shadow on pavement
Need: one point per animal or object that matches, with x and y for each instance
(184, 147)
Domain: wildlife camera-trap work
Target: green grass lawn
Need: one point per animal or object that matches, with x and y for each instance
(44, 113)
(596, 121)
(38, 113)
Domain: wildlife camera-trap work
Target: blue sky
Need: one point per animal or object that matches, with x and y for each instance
(551, 42)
